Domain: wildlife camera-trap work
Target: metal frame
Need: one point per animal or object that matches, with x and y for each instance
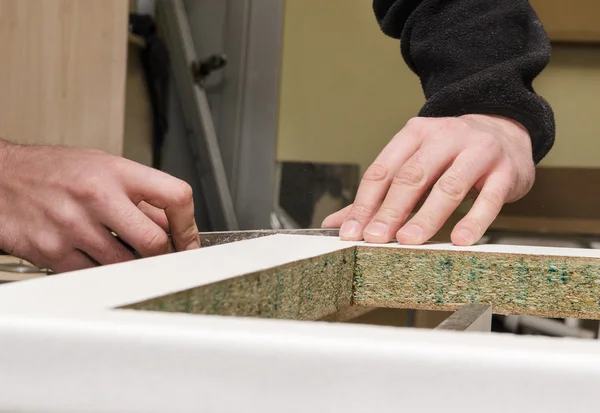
(470, 317)
(254, 186)
(243, 98)
(197, 115)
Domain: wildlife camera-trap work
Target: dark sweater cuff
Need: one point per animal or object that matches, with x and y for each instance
(495, 93)
(476, 56)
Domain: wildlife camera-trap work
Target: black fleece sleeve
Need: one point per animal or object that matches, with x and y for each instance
(475, 56)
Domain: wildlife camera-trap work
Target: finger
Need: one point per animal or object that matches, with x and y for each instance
(411, 182)
(421, 201)
(375, 183)
(104, 248)
(172, 195)
(484, 211)
(155, 214)
(73, 261)
(336, 219)
(136, 229)
(447, 194)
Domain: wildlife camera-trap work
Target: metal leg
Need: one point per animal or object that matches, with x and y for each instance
(197, 115)
(470, 317)
(410, 318)
(554, 327)
(573, 322)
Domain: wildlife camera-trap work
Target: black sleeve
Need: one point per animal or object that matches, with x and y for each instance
(475, 56)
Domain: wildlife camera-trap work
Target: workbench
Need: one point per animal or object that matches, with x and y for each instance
(247, 326)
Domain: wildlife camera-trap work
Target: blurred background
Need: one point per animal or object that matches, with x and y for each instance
(273, 109)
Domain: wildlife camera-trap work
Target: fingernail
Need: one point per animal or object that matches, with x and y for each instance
(350, 229)
(466, 235)
(377, 229)
(411, 231)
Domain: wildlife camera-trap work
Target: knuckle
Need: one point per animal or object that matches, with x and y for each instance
(493, 199)
(183, 194)
(116, 164)
(375, 172)
(417, 127)
(521, 186)
(90, 188)
(416, 122)
(53, 250)
(387, 213)
(489, 143)
(527, 173)
(453, 186)
(453, 123)
(66, 221)
(68, 218)
(360, 212)
(154, 242)
(409, 175)
(529, 181)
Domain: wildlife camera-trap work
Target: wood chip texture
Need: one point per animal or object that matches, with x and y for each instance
(304, 290)
(385, 277)
(517, 284)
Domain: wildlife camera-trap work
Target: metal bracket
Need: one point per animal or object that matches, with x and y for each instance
(470, 317)
(202, 69)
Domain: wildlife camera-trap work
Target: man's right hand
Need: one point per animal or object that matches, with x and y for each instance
(440, 161)
(59, 205)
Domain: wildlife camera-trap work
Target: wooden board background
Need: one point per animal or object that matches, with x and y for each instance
(561, 193)
(62, 77)
(562, 201)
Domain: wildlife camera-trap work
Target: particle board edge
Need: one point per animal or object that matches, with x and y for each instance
(308, 289)
(514, 284)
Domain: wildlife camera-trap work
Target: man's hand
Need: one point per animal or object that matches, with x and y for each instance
(59, 205)
(440, 160)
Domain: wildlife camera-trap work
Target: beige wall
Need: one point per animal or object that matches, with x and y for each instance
(345, 89)
(572, 85)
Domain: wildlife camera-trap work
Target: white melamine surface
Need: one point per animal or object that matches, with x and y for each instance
(116, 285)
(499, 248)
(142, 362)
(64, 349)
(121, 284)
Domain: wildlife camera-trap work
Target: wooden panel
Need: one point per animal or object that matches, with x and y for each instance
(139, 133)
(540, 225)
(541, 282)
(514, 280)
(62, 77)
(310, 289)
(560, 193)
(569, 20)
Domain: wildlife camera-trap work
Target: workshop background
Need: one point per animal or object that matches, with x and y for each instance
(273, 109)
